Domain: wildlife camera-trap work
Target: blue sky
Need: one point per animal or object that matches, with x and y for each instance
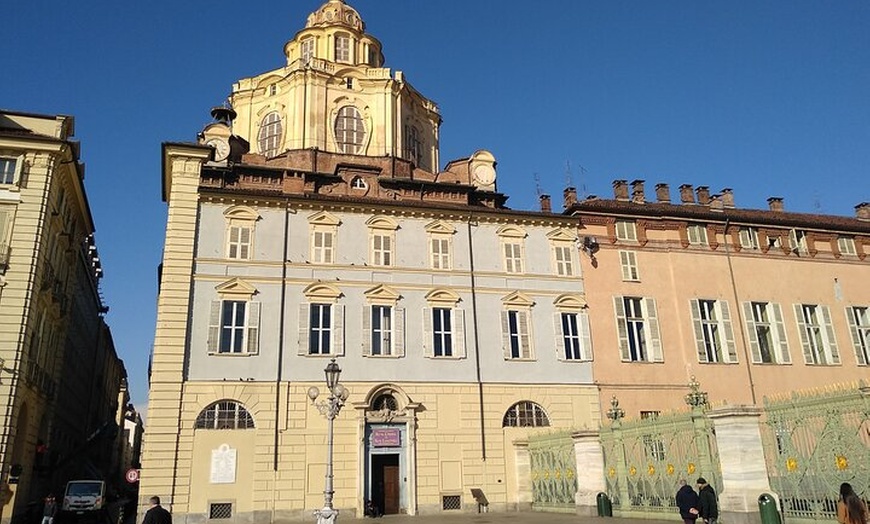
(770, 98)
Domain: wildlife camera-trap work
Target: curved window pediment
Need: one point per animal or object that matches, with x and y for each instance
(224, 414)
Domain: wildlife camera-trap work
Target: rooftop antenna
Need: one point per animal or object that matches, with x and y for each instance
(537, 185)
(582, 188)
(817, 203)
(569, 178)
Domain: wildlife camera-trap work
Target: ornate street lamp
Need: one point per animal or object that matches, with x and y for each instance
(329, 408)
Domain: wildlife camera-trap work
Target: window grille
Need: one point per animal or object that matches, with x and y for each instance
(525, 414)
(385, 401)
(225, 414)
(451, 502)
(220, 510)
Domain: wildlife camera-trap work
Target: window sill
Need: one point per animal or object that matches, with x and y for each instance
(528, 359)
(384, 356)
(220, 354)
(451, 357)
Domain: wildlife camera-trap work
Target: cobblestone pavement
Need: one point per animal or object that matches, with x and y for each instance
(529, 517)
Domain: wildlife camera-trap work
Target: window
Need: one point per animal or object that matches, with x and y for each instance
(9, 170)
(748, 238)
(767, 339)
(382, 328)
(442, 320)
(240, 243)
(649, 415)
(517, 338)
(797, 241)
(358, 183)
(413, 144)
(234, 327)
(225, 414)
(628, 261)
(654, 447)
(383, 323)
(373, 56)
(5, 230)
(846, 246)
(307, 50)
(324, 227)
(564, 260)
(443, 325)
(512, 248)
(270, 134)
(321, 321)
(220, 510)
(638, 329)
(382, 249)
(562, 242)
(440, 244)
(525, 414)
(817, 334)
(342, 48)
(859, 328)
(573, 341)
(385, 402)
(626, 230)
(440, 253)
(349, 130)
(714, 336)
(697, 235)
(273, 90)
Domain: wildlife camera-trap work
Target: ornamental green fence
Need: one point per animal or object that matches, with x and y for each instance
(554, 477)
(645, 459)
(814, 441)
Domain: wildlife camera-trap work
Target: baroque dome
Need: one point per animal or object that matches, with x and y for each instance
(336, 13)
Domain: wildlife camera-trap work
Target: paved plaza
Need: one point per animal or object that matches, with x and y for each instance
(529, 517)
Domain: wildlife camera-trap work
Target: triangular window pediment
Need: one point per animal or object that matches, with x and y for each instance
(382, 293)
(382, 222)
(517, 299)
(440, 227)
(324, 218)
(322, 291)
(570, 301)
(511, 232)
(236, 286)
(562, 235)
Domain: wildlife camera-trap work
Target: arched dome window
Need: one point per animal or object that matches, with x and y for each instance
(349, 130)
(525, 414)
(224, 414)
(385, 402)
(270, 134)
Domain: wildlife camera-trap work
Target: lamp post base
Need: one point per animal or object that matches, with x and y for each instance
(326, 515)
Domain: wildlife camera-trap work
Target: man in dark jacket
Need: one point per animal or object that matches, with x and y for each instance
(708, 506)
(157, 514)
(687, 502)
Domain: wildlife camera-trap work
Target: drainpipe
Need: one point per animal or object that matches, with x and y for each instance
(476, 339)
(278, 374)
(740, 318)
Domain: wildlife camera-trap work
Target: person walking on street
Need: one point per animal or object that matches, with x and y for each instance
(687, 502)
(157, 514)
(708, 507)
(49, 510)
(850, 508)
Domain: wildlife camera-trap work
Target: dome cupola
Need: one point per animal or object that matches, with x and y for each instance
(336, 13)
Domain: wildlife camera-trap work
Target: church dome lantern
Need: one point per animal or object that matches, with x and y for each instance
(336, 13)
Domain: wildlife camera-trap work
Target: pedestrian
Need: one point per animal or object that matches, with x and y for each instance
(850, 508)
(687, 502)
(49, 510)
(708, 507)
(157, 514)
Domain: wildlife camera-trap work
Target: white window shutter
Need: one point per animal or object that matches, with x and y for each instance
(19, 167)
(559, 336)
(621, 328)
(730, 346)
(802, 329)
(754, 346)
(700, 345)
(655, 333)
(253, 327)
(367, 334)
(505, 335)
(399, 331)
(337, 330)
(214, 327)
(428, 346)
(525, 334)
(833, 352)
(304, 334)
(784, 356)
(585, 335)
(854, 332)
(458, 333)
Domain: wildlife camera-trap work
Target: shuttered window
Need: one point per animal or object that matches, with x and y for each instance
(443, 332)
(767, 339)
(817, 334)
(321, 329)
(859, 330)
(384, 331)
(714, 335)
(638, 329)
(628, 262)
(516, 335)
(572, 335)
(234, 327)
(564, 262)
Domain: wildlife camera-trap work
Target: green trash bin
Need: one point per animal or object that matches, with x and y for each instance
(605, 508)
(768, 510)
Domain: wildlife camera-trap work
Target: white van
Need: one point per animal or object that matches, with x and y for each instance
(84, 497)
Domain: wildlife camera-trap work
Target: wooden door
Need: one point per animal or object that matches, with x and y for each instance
(391, 490)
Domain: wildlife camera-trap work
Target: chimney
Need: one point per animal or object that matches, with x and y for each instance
(663, 193)
(716, 203)
(703, 195)
(686, 194)
(775, 204)
(545, 204)
(862, 211)
(570, 196)
(620, 189)
(728, 198)
(637, 195)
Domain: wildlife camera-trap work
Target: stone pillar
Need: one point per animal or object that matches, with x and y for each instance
(590, 471)
(744, 470)
(523, 475)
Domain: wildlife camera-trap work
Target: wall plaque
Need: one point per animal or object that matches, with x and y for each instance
(223, 465)
(386, 437)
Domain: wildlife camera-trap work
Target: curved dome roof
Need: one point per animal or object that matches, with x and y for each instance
(336, 13)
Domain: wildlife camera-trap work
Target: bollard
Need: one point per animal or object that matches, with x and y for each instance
(605, 509)
(768, 510)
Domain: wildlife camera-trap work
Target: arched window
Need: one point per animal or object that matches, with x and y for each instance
(307, 49)
(349, 130)
(385, 401)
(270, 134)
(525, 414)
(224, 414)
(358, 183)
